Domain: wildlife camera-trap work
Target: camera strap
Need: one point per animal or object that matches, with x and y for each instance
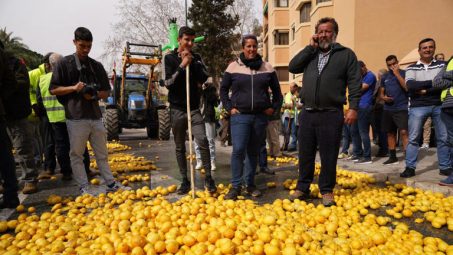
(79, 68)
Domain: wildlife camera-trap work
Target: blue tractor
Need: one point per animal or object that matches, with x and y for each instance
(135, 102)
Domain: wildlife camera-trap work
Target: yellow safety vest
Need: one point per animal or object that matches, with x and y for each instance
(289, 100)
(34, 76)
(55, 110)
(450, 89)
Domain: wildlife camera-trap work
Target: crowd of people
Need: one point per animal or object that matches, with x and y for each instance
(334, 107)
(47, 115)
(337, 104)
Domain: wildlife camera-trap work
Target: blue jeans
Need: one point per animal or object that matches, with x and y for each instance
(346, 140)
(262, 156)
(293, 137)
(361, 133)
(248, 131)
(417, 117)
(447, 118)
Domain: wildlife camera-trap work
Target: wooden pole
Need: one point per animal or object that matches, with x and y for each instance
(189, 127)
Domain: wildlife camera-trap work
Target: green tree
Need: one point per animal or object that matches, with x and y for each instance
(212, 19)
(15, 47)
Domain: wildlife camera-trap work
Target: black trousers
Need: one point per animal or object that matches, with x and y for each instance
(321, 129)
(50, 162)
(7, 164)
(62, 147)
(179, 128)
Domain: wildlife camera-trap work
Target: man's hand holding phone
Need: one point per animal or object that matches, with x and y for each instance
(314, 41)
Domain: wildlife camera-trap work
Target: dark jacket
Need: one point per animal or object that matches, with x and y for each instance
(444, 81)
(66, 73)
(18, 106)
(250, 88)
(8, 82)
(328, 89)
(419, 78)
(175, 80)
(209, 100)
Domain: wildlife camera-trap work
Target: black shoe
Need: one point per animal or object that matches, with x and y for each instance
(292, 149)
(209, 184)
(233, 193)
(10, 202)
(408, 172)
(252, 191)
(391, 161)
(328, 200)
(66, 177)
(266, 170)
(354, 158)
(363, 161)
(446, 172)
(300, 195)
(381, 154)
(184, 188)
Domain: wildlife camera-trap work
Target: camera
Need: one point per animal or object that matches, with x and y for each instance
(90, 89)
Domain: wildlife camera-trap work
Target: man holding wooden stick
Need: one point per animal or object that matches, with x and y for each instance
(177, 63)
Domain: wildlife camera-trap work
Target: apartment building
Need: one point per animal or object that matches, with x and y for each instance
(374, 29)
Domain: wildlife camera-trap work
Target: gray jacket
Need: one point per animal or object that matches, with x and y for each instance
(444, 80)
(327, 90)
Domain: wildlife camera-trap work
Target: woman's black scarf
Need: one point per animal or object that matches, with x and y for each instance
(254, 63)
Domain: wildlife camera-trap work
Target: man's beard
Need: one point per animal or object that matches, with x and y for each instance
(327, 43)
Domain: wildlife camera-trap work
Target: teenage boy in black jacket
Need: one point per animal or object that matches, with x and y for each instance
(175, 80)
(328, 69)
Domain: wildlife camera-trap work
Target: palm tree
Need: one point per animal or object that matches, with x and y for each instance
(12, 43)
(15, 47)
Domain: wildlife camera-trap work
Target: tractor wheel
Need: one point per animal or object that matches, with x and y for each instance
(111, 123)
(164, 124)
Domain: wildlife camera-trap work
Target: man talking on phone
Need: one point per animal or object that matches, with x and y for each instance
(329, 68)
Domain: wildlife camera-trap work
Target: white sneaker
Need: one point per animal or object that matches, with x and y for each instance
(199, 165)
(213, 167)
(115, 186)
(425, 146)
(86, 191)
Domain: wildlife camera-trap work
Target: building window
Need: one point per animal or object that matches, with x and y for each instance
(305, 13)
(322, 1)
(293, 33)
(281, 3)
(281, 37)
(282, 73)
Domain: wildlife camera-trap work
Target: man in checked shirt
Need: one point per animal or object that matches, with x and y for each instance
(329, 68)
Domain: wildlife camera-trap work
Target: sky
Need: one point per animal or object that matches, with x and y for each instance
(48, 25)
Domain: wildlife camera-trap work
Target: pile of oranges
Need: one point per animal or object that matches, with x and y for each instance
(143, 221)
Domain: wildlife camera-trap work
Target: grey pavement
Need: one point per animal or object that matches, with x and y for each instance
(427, 173)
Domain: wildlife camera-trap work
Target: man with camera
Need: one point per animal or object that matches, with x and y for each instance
(79, 81)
